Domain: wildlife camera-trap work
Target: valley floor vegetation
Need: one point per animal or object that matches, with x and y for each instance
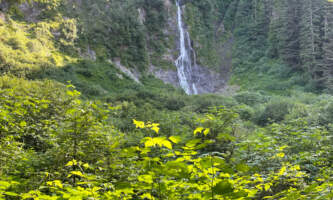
(56, 145)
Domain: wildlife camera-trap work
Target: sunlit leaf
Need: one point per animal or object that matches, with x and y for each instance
(77, 173)
(198, 130)
(206, 132)
(71, 163)
(147, 196)
(282, 171)
(280, 155)
(167, 144)
(155, 128)
(146, 178)
(138, 124)
(23, 124)
(175, 139)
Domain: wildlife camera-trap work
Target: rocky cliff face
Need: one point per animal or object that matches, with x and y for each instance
(205, 79)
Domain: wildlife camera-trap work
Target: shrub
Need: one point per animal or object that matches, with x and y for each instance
(68, 32)
(203, 102)
(89, 90)
(298, 111)
(245, 112)
(275, 111)
(85, 72)
(15, 43)
(327, 114)
(250, 98)
(174, 103)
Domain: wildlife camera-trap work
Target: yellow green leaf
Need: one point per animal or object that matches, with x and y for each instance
(149, 142)
(267, 186)
(23, 124)
(77, 173)
(147, 196)
(206, 132)
(155, 124)
(175, 139)
(198, 130)
(71, 163)
(58, 183)
(11, 194)
(155, 128)
(86, 165)
(167, 144)
(146, 178)
(280, 155)
(283, 147)
(70, 93)
(138, 124)
(282, 170)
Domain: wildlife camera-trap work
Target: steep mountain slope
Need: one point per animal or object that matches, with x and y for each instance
(142, 36)
(282, 42)
(260, 40)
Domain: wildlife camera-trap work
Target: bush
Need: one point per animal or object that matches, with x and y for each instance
(15, 43)
(327, 114)
(203, 102)
(85, 72)
(250, 98)
(245, 112)
(174, 103)
(68, 32)
(89, 90)
(275, 111)
(298, 111)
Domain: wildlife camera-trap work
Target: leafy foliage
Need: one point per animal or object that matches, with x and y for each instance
(67, 148)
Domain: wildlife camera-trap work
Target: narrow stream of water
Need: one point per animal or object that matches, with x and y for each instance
(184, 62)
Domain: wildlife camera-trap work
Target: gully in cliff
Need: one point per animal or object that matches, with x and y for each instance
(184, 62)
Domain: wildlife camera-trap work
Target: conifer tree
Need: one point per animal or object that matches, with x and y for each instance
(307, 38)
(311, 39)
(328, 47)
(290, 33)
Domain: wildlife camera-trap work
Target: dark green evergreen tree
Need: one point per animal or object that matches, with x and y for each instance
(311, 39)
(290, 33)
(327, 65)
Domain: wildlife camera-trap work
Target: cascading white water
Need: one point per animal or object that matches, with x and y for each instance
(184, 62)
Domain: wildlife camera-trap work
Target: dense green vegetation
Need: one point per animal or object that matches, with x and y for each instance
(288, 41)
(56, 146)
(74, 126)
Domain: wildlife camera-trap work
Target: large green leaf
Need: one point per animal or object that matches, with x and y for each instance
(223, 187)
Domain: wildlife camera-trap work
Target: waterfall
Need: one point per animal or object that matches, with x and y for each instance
(184, 61)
